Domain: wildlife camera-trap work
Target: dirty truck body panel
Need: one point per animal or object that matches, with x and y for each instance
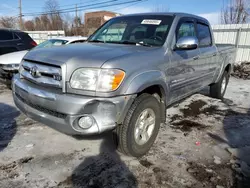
(48, 88)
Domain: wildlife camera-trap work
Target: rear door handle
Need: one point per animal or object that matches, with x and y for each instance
(215, 54)
(196, 58)
(19, 44)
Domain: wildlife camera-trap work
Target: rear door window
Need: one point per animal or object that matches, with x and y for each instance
(204, 35)
(24, 36)
(16, 37)
(6, 35)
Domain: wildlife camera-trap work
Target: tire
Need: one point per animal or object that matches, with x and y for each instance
(125, 134)
(216, 90)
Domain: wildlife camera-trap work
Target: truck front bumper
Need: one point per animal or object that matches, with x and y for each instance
(62, 111)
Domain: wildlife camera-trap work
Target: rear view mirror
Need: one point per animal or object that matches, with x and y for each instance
(187, 43)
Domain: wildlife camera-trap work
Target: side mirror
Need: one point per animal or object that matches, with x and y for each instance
(187, 43)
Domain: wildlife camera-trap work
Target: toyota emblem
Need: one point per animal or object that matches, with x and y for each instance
(34, 72)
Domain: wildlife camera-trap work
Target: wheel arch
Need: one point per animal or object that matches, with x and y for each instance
(159, 93)
(228, 68)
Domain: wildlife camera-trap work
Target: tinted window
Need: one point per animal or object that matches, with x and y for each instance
(204, 35)
(16, 36)
(24, 36)
(186, 29)
(6, 35)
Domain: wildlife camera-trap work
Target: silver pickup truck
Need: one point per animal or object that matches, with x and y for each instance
(124, 78)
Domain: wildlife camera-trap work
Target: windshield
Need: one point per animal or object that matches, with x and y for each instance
(51, 42)
(145, 30)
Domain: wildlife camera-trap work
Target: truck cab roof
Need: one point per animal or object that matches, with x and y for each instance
(178, 14)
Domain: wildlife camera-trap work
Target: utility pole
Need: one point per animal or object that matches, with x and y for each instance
(20, 15)
(76, 20)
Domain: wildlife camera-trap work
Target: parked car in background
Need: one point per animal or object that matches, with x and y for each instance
(9, 63)
(124, 77)
(14, 40)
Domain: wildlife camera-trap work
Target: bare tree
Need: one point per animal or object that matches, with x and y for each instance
(29, 25)
(46, 22)
(38, 24)
(8, 22)
(52, 19)
(52, 7)
(235, 12)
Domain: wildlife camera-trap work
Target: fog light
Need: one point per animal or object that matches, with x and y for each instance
(85, 122)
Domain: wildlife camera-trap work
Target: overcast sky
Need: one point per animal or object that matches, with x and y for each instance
(209, 9)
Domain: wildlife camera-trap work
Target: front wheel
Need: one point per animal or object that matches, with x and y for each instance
(140, 128)
(218, 90)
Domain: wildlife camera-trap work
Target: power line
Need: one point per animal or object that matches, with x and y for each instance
(68, 5)
(129, 5)
(81, 9)
(73, 8)
(85, 2)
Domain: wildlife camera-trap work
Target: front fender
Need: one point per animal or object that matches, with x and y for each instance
(145, 80)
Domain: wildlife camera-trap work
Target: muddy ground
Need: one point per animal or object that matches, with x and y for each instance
(205, 143)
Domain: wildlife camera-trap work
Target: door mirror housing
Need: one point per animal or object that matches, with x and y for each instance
(187, 43)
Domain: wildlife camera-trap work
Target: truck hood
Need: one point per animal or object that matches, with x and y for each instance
(82, 55)
(12, 58)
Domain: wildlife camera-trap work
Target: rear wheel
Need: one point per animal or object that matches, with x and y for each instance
(140, 128)
(218, 90)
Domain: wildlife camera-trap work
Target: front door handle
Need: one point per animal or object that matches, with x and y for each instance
(19, 44)
(215, 54)
(196, 58)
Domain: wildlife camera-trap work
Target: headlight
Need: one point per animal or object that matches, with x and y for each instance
(20, 70)
(85, 79)
(97, 79)
(11, 67)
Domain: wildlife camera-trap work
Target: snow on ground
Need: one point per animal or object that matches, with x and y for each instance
(205, 143)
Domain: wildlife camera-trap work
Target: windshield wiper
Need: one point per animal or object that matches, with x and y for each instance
(96, 41)
(122, 42)
(136, 43)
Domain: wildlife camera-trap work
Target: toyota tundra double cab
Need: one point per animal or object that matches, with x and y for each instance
(124, 77)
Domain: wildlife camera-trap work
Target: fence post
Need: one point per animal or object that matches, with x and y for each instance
(238, 37)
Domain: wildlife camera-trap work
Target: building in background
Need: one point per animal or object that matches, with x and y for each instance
(93, 20)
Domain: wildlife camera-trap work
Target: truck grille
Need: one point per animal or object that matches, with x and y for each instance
(42, 74)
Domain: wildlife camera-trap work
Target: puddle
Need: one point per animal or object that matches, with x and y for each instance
(193, 109)
(188, 125)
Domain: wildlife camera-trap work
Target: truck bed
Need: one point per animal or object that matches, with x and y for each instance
(225, 47)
